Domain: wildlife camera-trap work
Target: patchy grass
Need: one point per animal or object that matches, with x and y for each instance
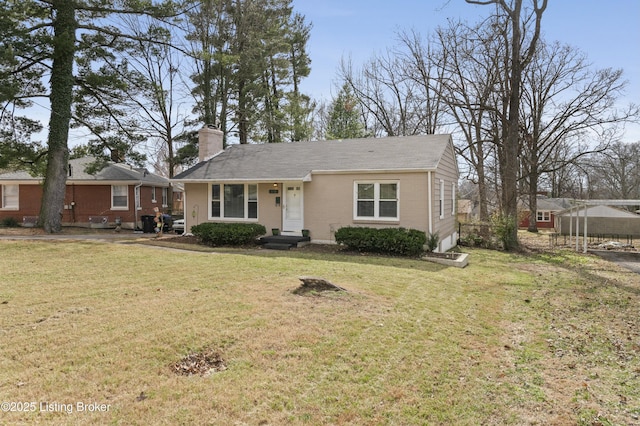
(510, 339)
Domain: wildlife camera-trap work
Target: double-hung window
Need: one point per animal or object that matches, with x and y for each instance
(544, 216)
(119, 197)
(165, 197)
(234, 201)
(453, 199)
(376, 200)
(10, 197)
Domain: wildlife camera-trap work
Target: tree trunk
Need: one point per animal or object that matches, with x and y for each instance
(61, 95)
(512, 142)
(241, 113)
(533, 200)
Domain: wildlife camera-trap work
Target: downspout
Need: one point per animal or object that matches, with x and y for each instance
(136, 190)
(430, 203)
(73, 202)
(184, 210)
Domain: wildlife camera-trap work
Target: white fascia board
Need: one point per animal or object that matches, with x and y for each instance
(261, 180)
(369, 171)
(610, 202)
(38, 181)
(117, 182)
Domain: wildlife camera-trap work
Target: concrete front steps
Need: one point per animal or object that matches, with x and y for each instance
(283, 242)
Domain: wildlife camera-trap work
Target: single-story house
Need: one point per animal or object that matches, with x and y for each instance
(545, 213)
(117, 193)
(602, 220)
(321, 186)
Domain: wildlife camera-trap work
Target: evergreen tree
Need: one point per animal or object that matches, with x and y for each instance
(64, 39)
(345, 119)
(250, 57)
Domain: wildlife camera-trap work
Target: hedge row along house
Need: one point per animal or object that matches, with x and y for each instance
(116, 195)
(321, 186)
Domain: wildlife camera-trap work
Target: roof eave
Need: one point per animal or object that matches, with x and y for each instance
(305, 178)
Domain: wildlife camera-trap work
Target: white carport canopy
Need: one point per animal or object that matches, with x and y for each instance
(584, 205)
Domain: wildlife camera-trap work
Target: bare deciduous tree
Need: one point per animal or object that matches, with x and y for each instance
(524, 34)
(565, 102)
(398, 90)
(615, 173)
(469, 60)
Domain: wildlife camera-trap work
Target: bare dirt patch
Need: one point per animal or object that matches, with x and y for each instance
(200, 363)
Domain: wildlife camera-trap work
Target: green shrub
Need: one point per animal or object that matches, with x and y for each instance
(228, 234)
(399, 241)
(432, 242)
(9, 222)
(505, 228)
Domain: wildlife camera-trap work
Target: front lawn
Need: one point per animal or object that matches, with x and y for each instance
(510, 339)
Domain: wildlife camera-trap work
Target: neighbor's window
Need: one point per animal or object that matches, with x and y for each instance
(544, 216)
(119, 197)
(376, 200)
(10, 197)
(234, 201)
(165, 197)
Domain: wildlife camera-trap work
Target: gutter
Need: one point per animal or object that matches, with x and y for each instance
(430, 202)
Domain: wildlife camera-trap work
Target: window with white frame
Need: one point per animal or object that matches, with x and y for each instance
(376, 200)
(153, 194)
(10, 197)
(119, 197)
(544, 216)
(441, 198)
(234, 201)
(453, 198)
(165, 197)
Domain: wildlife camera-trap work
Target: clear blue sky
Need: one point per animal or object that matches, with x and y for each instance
(608, 31)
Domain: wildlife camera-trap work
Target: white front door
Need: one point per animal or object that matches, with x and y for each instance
(292, 220)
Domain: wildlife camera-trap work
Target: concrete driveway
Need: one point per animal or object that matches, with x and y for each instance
(626, 259)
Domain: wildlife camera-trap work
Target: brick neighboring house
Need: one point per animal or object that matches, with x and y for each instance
(545, 215)
(118, 192)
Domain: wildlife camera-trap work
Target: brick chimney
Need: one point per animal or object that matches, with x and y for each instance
(210, 142)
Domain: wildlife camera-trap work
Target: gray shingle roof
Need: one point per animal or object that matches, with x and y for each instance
(296, 160)
(112, 172)
(553, 204)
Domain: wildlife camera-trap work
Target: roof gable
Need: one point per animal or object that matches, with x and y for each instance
(297, 160)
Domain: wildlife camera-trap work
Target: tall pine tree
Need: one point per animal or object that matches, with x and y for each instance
(53, 37)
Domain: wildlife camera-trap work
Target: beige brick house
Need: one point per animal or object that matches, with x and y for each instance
(322, 186)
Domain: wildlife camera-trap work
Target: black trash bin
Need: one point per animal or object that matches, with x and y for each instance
(148, 224)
